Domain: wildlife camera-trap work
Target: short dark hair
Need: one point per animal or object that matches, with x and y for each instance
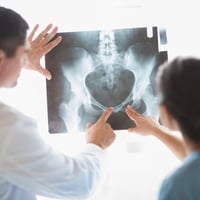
(13, 30)
(178, 84)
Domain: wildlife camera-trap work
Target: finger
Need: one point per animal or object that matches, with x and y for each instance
(43, 33)
(130, 115)
(49, 36)
(46, 38)
(31, 35)
(104, 117)
(45, 72)
(47, 48)
(132, 110)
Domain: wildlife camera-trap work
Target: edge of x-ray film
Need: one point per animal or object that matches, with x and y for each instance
(96, 69)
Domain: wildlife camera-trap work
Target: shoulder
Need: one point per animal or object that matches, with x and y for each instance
(168, 189)
(14, 124)
(20, 136)
(182, 182)
(10, 116)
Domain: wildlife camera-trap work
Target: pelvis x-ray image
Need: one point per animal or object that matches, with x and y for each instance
(94, 70)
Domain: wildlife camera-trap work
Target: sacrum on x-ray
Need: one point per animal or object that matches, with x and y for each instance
(94, 70)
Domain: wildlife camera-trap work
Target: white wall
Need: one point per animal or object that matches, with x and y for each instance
(136, 165)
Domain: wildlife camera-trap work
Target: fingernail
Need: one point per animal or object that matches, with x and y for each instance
(48, 77)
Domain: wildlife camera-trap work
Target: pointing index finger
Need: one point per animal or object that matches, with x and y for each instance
(104, 117)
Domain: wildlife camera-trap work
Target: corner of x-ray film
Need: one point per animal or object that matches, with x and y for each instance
(97, 69)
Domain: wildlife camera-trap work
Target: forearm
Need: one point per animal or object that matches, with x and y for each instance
(174, 143)
(79, 176)
(36, 167)
(52, 174)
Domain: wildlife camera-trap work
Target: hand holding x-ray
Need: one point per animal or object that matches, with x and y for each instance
(40, 46)
(101, 132)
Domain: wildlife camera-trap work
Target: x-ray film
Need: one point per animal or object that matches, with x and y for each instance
(94, 70)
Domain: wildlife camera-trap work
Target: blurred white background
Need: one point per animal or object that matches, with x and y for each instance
(136, 164)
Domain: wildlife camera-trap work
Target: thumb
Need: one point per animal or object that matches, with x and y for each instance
(45, 72)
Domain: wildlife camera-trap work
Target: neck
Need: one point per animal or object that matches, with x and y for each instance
(191, 146)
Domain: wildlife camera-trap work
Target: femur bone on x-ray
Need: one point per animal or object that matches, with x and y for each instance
(94, 70)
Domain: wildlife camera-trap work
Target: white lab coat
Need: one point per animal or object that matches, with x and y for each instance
(30, 167)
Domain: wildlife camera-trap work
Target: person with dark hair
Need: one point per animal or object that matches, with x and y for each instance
(29, 166)
(177, 85)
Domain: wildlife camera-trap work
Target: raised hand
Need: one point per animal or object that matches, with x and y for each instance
(101, 132)
(145, 125)
(40, 46)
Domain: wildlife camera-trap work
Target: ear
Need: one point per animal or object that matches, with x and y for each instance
(2, 57)
(167, 119)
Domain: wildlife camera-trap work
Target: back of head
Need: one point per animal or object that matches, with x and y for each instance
(178, 84)
(13, 29)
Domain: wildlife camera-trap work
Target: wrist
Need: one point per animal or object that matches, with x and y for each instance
(95, 143)
(159, 131)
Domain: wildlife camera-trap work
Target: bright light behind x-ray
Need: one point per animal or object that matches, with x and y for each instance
(136, 164)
